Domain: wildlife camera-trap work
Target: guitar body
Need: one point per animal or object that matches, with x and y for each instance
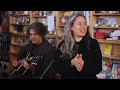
(21, 72)
(18, 74)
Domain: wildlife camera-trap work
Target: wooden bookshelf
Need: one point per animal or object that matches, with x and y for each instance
(18, 24)
(109, 41)
(105, 28)
(111, 57)
(106, 14)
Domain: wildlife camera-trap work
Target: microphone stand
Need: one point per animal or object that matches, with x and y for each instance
(40, 77)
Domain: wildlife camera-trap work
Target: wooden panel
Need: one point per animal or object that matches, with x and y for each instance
(115, 50)
(106, 14)
(109, 41)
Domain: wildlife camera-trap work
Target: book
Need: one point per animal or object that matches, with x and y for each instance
(116, 70)
(108, 49)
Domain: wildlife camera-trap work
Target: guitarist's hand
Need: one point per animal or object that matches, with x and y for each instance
(26, 65)
(15, 63)
(32, 67)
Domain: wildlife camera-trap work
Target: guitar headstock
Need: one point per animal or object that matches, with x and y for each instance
(34, 60)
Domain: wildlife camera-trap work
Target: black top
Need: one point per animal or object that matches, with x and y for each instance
(46, 52)
(91, 55)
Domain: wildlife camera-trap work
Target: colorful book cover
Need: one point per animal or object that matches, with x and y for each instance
(116, 70)
(108, 49)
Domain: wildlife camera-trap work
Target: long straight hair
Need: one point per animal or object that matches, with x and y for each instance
(68, 40)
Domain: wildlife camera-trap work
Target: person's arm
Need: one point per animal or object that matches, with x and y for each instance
(92, 58)
(93, 64)
(62, 65)
(98, 57)
(20, 55)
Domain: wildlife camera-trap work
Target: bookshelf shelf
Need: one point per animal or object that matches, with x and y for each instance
(109, 41)
(19, 34)
(111, 57)
(106, 14)
(20, 24)
(103, 27)
(61, 25)
(39, 16)
(16, 44)
(21, 15)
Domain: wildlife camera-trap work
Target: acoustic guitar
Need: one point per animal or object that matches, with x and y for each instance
(31, 60)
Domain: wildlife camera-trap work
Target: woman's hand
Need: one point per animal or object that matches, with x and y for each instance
(78, 62)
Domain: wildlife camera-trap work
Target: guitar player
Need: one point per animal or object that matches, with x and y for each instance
(38, 46)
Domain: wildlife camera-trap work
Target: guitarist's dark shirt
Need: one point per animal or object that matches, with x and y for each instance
(46, 52)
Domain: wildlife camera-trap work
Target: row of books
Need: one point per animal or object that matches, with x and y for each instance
(110, 69)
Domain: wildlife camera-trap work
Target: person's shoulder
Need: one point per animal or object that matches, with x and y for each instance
(29, 44)
(93, 40)
(60, 43)
(95, 44)
(48, 45)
